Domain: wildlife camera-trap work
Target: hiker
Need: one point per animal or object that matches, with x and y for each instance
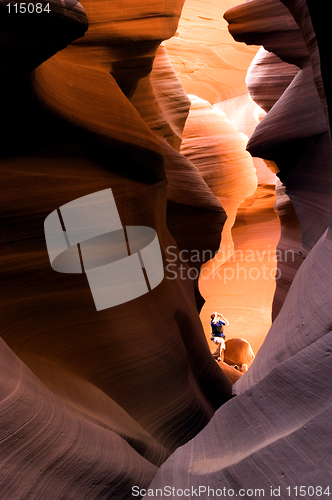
(218, 321)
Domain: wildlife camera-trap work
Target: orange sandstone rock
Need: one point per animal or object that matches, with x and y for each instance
(137, 380)
(239, 352)
(217, 150)
(285, 399)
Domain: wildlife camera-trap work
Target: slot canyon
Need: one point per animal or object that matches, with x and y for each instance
(209, 122)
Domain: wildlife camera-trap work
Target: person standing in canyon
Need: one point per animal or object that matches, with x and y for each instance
(218, 321)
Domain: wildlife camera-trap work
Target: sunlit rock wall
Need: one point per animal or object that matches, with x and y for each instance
(208, 62)
(300, 148)
(212, 67)
(163, 104)
(91, 402)
(214, 146)
(276, 432)
(268, 77)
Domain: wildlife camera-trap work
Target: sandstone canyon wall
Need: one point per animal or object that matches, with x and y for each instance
(294, 145)
(93, 401)
(240, 279)
(276, 432)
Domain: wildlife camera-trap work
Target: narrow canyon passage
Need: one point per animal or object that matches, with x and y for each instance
(134, 137)
(276, 433)
(212, 67)
(243, 288)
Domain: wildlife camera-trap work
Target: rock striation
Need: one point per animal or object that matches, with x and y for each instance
(113, 391)
(271, 25)
(268, 77)
(207, 60)
(51, 449)
(93, 402)
(214, 146)
(294, 145)
(199, 54)
(283, 398)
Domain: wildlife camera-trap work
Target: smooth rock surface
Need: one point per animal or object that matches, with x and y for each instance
(93, 402)
(268, 77)
(131, 383)
(50, 449)
(284, 399)
(300, 148)
(269, 24)
(217, 150)
(207, 60)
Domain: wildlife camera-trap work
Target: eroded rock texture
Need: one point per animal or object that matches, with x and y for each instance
(268, 77)
(214, 146)
(93, 401)
(300, 148)
(212, 66)
(164, 106)
(49, 449)
(209, 63)
(276, 431)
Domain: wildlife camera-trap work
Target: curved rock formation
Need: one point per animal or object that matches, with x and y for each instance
(217, 150)
(294, 145)
(211, 66)
(285, 397)
(50, 449)
(289, 248)
(206, 59)
(239, 352)
(269, 24)
(134, 380)
(243, 286)
(163, 104)
(161, 100)
(92, 402)
(307, 15)
(268, 77)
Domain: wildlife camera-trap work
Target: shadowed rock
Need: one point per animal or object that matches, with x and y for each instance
(136, 380)
(285, 397)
